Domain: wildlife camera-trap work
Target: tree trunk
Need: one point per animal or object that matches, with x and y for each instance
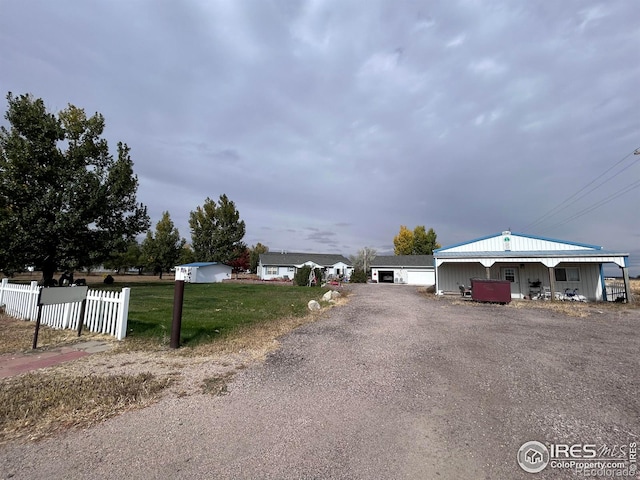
(48, 270)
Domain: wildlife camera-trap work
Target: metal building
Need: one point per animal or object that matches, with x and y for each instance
(533, 265)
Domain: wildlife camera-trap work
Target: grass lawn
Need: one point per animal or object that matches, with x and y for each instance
(212, 310)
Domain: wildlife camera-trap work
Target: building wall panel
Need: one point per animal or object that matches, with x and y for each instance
(451, 275)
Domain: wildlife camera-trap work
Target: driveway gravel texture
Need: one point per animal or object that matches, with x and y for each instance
(395, 384)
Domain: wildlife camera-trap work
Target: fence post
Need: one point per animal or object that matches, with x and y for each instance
(83, 306)
(123, 313)
(32, 305)
(5, 281)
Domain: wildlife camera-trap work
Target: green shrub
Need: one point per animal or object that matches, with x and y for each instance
(358, 276)
(302, 277)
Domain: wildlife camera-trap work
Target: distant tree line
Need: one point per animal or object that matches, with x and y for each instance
(164, 248)
(66, 203)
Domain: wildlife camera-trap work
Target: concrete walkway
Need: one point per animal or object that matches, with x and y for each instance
(16, 363)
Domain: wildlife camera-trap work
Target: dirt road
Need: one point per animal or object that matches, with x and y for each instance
(392, 385)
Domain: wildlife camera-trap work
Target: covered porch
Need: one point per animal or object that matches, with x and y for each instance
(549, 275)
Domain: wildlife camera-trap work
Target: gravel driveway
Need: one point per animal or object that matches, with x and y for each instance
(391, 385)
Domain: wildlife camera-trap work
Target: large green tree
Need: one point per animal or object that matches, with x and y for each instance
(424, 242)
(163, 250)
(217, 231)
(65, 201)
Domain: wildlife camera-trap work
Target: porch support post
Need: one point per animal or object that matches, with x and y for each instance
(488, 272)
(552, 283)
(627, 283)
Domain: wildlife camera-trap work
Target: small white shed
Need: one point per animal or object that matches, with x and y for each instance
(203, 272)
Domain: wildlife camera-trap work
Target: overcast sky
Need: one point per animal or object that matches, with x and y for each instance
(332, 123)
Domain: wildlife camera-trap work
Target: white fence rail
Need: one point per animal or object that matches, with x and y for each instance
(105, 312)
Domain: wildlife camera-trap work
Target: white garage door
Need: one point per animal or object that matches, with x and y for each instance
(424, 277)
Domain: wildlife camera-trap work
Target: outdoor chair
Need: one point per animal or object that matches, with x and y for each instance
(464, 291)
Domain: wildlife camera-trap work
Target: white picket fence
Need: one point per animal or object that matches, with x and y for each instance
(105, 312)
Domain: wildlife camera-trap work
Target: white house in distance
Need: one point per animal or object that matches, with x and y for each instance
(285, 265)
(203, 272)
(532, 264)
(404, 269)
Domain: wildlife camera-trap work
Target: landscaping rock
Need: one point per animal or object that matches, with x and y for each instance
(313, 305)
(330, 296)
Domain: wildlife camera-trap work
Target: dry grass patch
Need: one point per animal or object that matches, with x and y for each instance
(36, 405)
(17, 336)
(215, 385)
(635, 292)
(570, 309)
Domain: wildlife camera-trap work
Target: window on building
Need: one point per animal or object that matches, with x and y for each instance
(272, 270)
(569, 274)
(510, 274)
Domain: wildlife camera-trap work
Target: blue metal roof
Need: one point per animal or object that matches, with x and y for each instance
(532, 254)
(199, 264)
(534, 237)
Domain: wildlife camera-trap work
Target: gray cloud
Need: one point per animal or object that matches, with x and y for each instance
(352, 119)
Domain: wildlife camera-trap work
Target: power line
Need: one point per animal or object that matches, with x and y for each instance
(555, 210)
(596, 205)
